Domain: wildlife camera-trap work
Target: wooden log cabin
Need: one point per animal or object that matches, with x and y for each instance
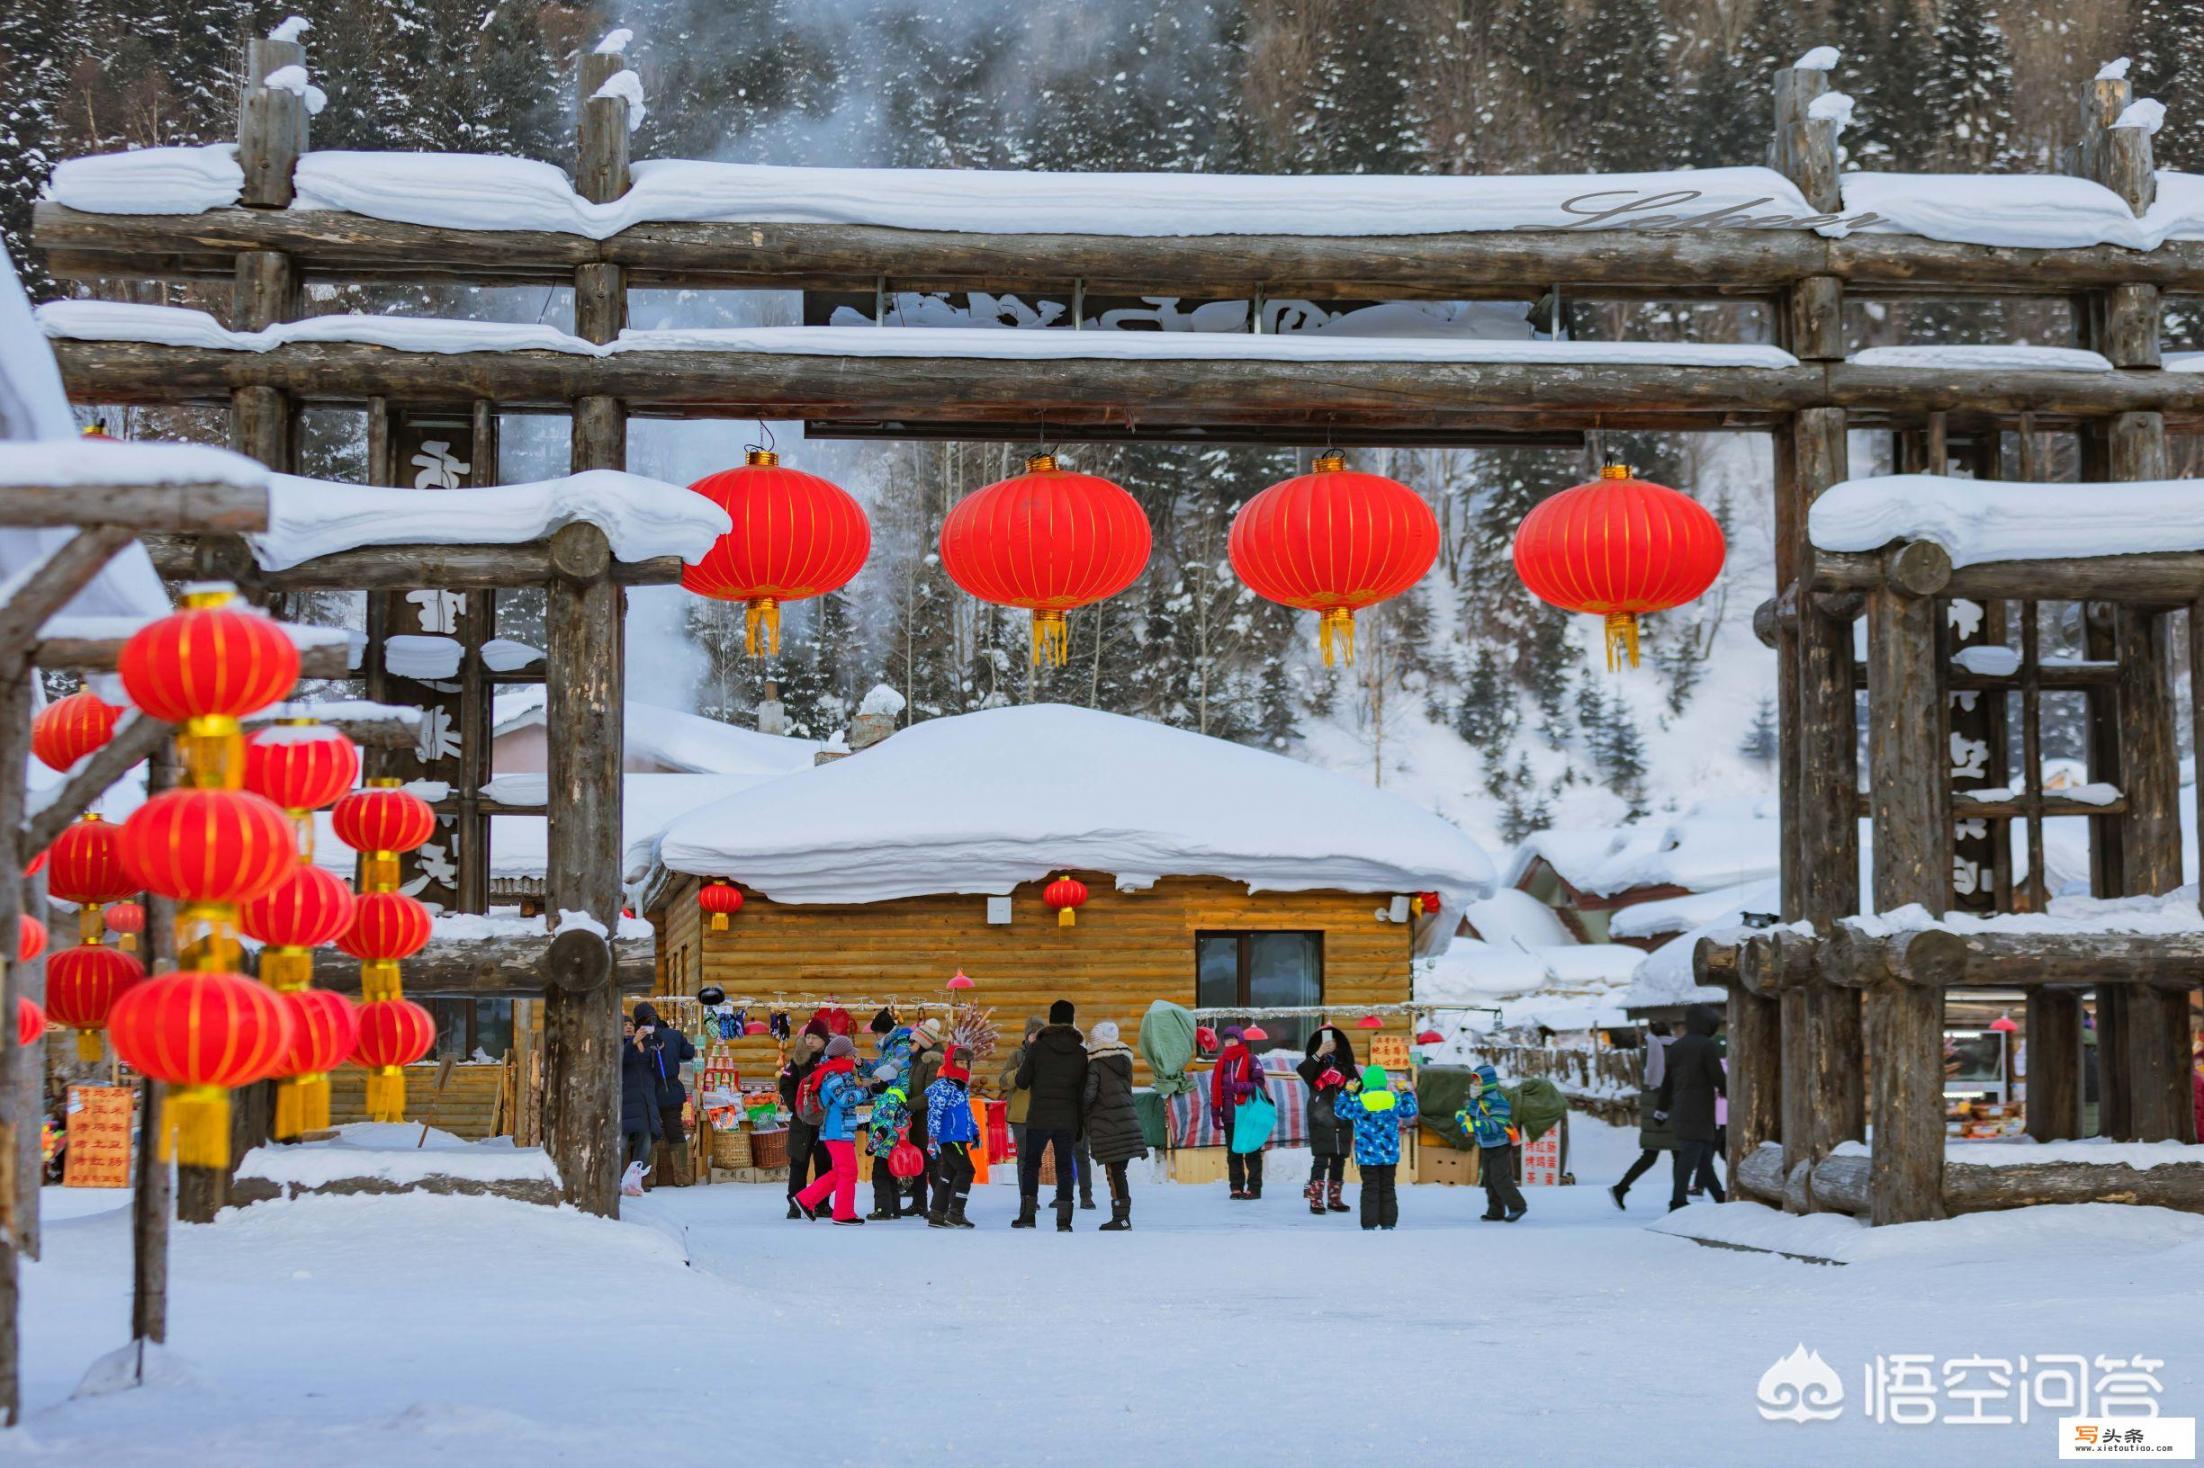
(1217, 876)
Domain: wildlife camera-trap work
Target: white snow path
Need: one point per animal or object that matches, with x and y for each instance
(434, 1330)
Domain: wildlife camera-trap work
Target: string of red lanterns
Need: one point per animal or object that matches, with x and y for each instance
(388, 926)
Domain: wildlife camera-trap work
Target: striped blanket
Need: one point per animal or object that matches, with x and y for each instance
(1189, 1112)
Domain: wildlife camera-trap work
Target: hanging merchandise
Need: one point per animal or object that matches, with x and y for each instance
(779, 1026)
(68, 729)
(1333, 541)
(1619, 547)
(1048, 540)
(1067, 894)
(795, 536)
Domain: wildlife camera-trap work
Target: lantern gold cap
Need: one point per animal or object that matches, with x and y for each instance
(1040, 463)
(1615, 471)
(1331, 461)
(761, 458)
(385, 782)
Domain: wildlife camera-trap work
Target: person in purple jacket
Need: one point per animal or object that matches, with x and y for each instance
(1237, 1080)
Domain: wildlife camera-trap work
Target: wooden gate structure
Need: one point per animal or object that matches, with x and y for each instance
(1827, 1033)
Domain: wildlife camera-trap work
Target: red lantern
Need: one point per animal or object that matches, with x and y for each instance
(325, 1029)
(394, 1033)
(30, 939)
(213, 660)
(1067, 894)
(86, 864)
(82, 985)
(307, 908)
(30, 1020)
(1428, 901)
(38, 863)
(208, 846)
(386, 927)
(379, 822)
(1620, 547)
(795, 536)
(1430, 1037)
(1334, 540)
(300, 764)
(68, 729)
(203, 1033)
(128, 920)
(1048, 540)
(721, 900)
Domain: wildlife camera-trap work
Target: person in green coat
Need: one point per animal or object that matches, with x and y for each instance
(1655, 1135)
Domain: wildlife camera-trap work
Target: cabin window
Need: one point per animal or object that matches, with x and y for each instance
(1261, 970)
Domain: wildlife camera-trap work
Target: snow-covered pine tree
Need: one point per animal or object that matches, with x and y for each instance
(1975, 84)
(2166, 40)
(1625, 115)
(1759, 743)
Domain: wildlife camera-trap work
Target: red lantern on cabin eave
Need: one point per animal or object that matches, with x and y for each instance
(721, 899)
(1067, 894)
(1619, 547)
(1333, 541)
(68, 729)
(1048, 540)
(795, 536)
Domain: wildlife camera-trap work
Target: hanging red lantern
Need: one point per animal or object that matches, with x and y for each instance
(30, 939)
(394, 1033)
(1333, 541)
(1429, 902)
(755, 1027)
(302, 765)
(1619, 547)
(30, 1020)
(86, 864)
(204, 668)
(386, 927)
(208, 847)
(379, 823)
(307, 908)
(325, 1030)
(1067, 894)
(82, 985)
(203, 1033)
(795, 536)
(1047, 540)
(721, 899)
(126, 919)
(68, 729)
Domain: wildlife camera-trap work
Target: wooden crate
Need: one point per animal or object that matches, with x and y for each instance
(1439, 1163)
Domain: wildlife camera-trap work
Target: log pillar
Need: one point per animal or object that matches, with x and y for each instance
(1911, 803)
(271, 125)
(149, 1203)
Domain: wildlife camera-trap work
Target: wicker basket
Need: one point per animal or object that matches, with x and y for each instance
(731, 1148)
(768, 1149)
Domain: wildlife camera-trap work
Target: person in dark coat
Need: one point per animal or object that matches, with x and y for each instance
(669, 1051)
(1691, 1080)
(1655, 1136)
(926, 1051)
(639, 1123)
(807, 1156)
(1113, 1125)
(1055, 1071)
(1327, 1064)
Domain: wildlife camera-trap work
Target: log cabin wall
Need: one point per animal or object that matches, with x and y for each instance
(1128, 949)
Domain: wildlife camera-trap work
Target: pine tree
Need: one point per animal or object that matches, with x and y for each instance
(1759, 743)
(2166, 40)
(1976, 89)
(1621, 73)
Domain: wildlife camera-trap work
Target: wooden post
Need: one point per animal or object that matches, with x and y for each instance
(587, 706)
(149, 1205)
(1911, 802)
(28, 1077)
(600, 289)
(271, 125)
(15, 744)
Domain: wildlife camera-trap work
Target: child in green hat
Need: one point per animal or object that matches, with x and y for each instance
(1377, 1112)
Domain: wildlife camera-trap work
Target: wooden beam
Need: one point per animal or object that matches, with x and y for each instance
(2164, 578)
(494, 968)
(196, 507)
(328, 660)
(402, 567)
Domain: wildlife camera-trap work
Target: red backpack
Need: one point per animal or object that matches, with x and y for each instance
(810, 1110)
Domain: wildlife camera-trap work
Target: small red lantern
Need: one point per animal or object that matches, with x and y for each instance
(30, 1020)
(30, 939)
(379, 823)
(82, 985)
(1428, 902)
(300, 764)
(1047, 540)
(68, 729)
(1430, 1037)
(1333, 541)
(386, 927)
(1369, 1022)
(1067, 894)
(38, 863)
(795, 536)
(394, 1033)
(307, 908)
(214, 660)
(203, 1034)
(128, 920)
(208, 847)
(325, 1029)
(721, 900)
(1620, 547)
(86, 865)
(960, 980)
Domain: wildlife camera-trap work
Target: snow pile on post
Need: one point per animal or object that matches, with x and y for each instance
(626, 86)
(982, 802)
(293, 79)
(643, 518)
(2009, 520)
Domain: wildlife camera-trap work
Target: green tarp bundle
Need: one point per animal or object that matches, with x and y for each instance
(1167, 1044)
(1442, 1090)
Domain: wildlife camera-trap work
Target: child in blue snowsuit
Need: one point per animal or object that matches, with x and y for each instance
(1377, 1112)
(891, 1112)
(951, 1134)
(1489, 1118)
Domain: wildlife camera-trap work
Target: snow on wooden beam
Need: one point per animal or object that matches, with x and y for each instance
(2168, 578)
(488, 968)
(401, 567)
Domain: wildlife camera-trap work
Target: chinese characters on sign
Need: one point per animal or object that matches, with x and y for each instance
(99, 1137)
(1915, 1389)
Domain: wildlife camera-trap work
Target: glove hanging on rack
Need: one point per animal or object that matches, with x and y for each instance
(779, 1024)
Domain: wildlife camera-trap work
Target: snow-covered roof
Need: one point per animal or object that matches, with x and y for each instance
(686, 742)
(1718, 843)
(1695, 909)
(2010, 520)
(982, 802)
(1510, 918)
(1565, 986)
(1665, 976)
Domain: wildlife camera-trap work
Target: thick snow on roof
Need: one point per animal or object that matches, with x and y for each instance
(1694, 909)
(982, 802)
(1718, 843)
(1564, 987)
(688, 742)
(2010, 520)
(642, 517)
(1514, 919)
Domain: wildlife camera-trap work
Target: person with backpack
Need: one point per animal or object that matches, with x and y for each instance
(669, 1050)
(891, 1114)
(1377, 1112)
(1692, 1078)
(1655, 1136)
(1055, 1071)
(951, 1134)
(806, 1157)
(1489, 1119)
(1113, 1125)
(1236, 1080)
(1328, 1060)
(927, 1038)
(830, 1096)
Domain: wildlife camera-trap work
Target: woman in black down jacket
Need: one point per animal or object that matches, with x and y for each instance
(639, 1120)
(1113, 1126)
(1329, 1061)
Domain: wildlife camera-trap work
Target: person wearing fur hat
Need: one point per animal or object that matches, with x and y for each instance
(1237, 1079)
(839, 1093)
(1113, 1126)
(1377, 1113)
(806, 1158)
(1326, 1064)
(952, 1132)
(1055, 1071)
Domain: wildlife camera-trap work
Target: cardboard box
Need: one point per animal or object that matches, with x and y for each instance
(1436, 1162)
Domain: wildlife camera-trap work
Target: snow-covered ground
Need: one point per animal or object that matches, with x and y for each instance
(704, 1328)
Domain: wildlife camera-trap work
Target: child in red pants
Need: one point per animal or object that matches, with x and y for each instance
(831, 1093)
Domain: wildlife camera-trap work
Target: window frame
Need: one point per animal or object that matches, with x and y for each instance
(1245, 940)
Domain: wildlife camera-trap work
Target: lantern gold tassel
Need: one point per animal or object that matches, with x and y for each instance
(378, 979)
(719, 922)
(1051, 638)
(90, 1047)
(765, 613)
(1338, 625)
(290, 1109)
(313, 1103)
(1066, 918)
(196, 1132)
(386, 1093)
(286, 969)
(1622, 639)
